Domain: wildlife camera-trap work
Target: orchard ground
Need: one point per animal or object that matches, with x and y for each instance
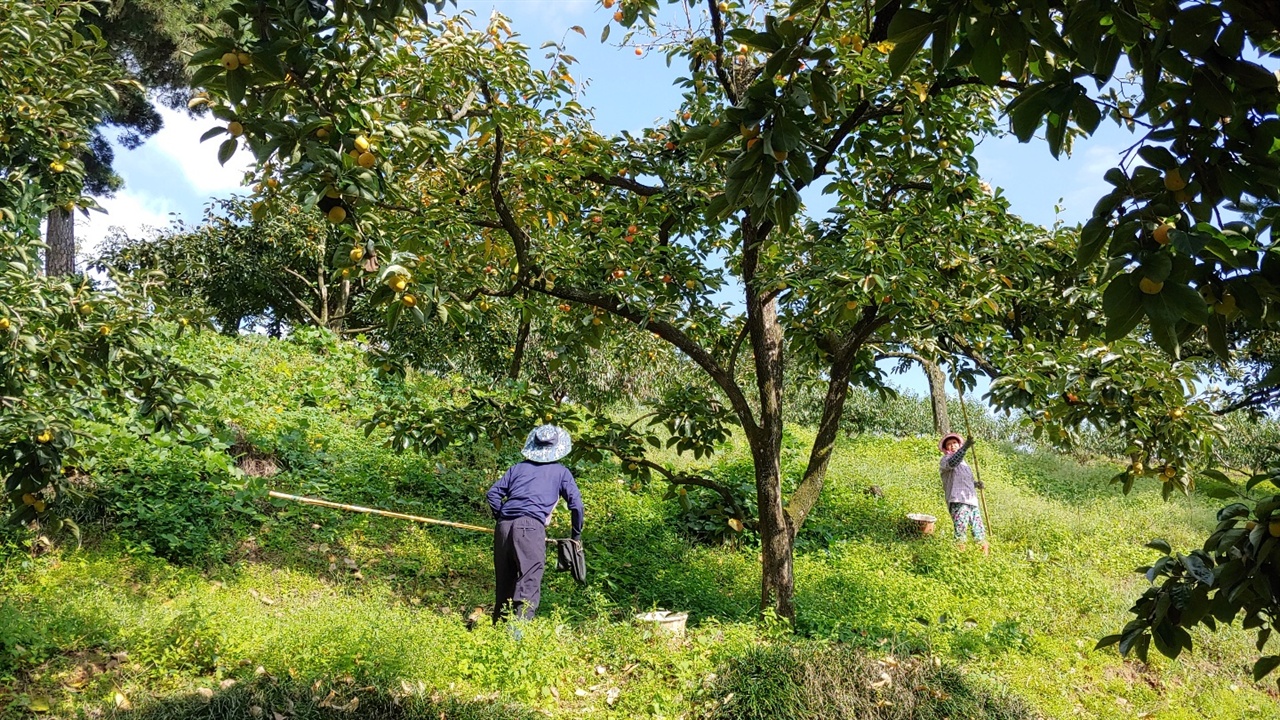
(183, 603)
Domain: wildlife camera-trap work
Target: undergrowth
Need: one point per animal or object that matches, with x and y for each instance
(194, 597)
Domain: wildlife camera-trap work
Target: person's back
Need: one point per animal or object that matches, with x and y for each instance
(531, 489)
(522, 502)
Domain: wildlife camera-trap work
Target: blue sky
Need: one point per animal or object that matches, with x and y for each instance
(174, 176)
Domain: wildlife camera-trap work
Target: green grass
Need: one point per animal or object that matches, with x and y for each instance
(301, 611)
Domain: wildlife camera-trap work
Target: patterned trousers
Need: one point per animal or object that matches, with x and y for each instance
(967, 516)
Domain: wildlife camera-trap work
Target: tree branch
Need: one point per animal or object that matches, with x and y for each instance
(809, 490)
(717, 28)
(1252, 399)
(737, 346)
(519, 238)
(305, 307)
(638, 188)
(964, 348)
(668, 332)
(678, 478)
(861, 114)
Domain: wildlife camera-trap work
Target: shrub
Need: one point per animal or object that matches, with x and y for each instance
(815, 681)
(181, 498)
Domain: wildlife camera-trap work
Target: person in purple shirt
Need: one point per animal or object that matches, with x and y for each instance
(960, 487)
(522, 502)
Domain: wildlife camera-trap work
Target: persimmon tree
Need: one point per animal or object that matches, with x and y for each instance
(467, 174)
(69, 349)
(244, 264)
(1183, 266)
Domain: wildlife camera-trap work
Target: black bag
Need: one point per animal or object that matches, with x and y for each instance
(569, 556)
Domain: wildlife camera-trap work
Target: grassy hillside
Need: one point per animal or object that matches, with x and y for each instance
(190, 598)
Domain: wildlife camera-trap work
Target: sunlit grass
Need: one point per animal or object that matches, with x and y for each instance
(318, 608)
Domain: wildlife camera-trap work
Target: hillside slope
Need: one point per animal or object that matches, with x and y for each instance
(193, 597)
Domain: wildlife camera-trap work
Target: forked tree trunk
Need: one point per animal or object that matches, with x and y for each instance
(60, 239)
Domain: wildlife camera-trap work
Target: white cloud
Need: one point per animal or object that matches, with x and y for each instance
(180, 140)
(134, 213)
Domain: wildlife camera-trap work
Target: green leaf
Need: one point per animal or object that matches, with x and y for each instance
(1122, 304)
(1188, 303)
(908, 31)
(988, 61)
(213, 132)
(270, 65)
(1108, 641)
(1161, 545)
(1197, 569)
(1158, 157)
(235, 85)
(1265, 665)
(1207, 89)
(202, 76)
(1027, 111)
(226, 150)
(1093, 236)
(1087, 114)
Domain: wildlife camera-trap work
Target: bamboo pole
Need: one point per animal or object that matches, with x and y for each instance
(373, 511)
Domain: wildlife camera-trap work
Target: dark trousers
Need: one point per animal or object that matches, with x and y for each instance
(519, 557)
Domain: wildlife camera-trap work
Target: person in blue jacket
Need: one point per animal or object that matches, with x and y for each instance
(522, 502)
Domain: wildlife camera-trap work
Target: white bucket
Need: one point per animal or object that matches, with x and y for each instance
(924, 523)
(666, 621)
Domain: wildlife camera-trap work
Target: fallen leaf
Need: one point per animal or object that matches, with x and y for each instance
(255, 711)
(122, 702)
(600, 670)
(227, 684)
(205, 694)
(580, 692)
(612, 696)
(328, 700)
(39, 703)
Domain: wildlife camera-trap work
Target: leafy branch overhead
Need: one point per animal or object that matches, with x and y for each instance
(471, 180)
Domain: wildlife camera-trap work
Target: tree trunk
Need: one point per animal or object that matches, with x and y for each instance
(937, 388)
(517, 357)
(777, 575)
(810, 489)
(777, 579)
(938, 395)
(322, 289)
(60, 239)
(338, 321)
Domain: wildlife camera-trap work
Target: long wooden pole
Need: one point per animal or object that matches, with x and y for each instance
(373, 511)
(968, 431)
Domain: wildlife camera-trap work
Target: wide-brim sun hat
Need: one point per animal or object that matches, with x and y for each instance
(547, 443)
(942, 444)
